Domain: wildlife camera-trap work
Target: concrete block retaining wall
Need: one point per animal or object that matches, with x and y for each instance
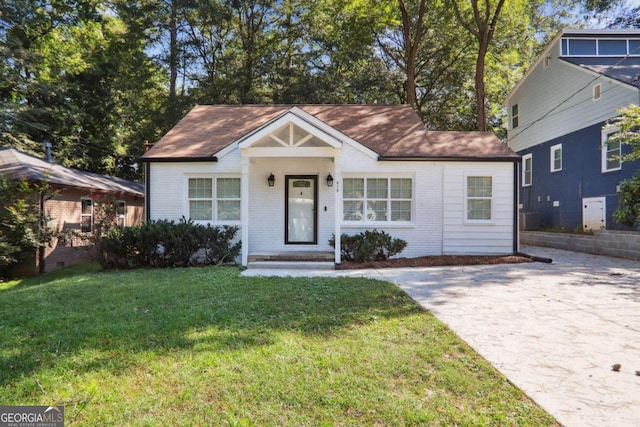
(621, 244)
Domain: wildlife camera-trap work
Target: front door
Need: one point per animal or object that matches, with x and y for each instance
(301, 217)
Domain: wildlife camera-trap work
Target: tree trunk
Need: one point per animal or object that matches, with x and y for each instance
(481, 112)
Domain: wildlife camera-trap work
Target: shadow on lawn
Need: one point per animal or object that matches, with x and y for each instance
(101, 320)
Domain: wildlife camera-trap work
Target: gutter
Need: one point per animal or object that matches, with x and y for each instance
(447, 159)
(177, 159)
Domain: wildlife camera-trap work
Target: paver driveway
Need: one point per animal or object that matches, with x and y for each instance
(553, 329)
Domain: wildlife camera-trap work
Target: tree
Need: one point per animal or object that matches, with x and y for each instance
(22, 222)
(481, 23)
(627, 132)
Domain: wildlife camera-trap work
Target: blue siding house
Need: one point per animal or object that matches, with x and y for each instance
(570, 174)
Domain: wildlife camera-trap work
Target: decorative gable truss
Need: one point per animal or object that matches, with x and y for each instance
(296, 134)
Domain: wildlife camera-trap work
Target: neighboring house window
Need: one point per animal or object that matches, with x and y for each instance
(377, 199)
(527, 168)
(597, 92)
(479, 198)
(86, 215)
(514, 116)
(611, 153)
(556, 158)
(121, 213)
(201, 199)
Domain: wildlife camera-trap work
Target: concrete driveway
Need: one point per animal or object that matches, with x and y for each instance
(554, 330)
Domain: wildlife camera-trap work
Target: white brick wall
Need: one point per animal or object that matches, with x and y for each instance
(438, 224)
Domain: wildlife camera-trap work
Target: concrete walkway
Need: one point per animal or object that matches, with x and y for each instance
(554, 330)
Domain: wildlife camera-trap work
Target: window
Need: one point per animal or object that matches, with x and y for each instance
(634, 47)
(611, 153)
(597, 92)
(228, 199)
(86, 215)
(527, 169)
(556, 158)
(514, 116)
(582, 47)
(612, 47)
(479, 198)
(121, 213)
(201, 199)
(377, 199)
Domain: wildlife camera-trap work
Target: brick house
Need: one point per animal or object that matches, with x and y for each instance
(71, 203)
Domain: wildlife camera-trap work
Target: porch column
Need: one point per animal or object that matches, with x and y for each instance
(244, 210)
(337, 171)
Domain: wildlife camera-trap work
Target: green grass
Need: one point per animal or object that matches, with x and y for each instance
(205, 346)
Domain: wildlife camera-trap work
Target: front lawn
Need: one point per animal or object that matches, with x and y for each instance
(205, 346)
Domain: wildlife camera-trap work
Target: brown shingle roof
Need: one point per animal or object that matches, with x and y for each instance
(392, 131)
(17, 165)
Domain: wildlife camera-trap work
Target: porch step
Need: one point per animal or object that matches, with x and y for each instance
(299, 256)
(299, 260)
(291, 265)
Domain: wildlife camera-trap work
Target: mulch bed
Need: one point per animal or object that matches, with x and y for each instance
(436, 261)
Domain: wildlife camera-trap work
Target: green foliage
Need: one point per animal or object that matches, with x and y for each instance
(22, 224)
(628, 211)
(368, 246)
(162, 244)
(627, 127)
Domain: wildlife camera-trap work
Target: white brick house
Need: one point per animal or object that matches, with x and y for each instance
(291, 177)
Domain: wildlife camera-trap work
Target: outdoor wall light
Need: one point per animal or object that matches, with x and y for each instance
(271, 180)
(329, 181)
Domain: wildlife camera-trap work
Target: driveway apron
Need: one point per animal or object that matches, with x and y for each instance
(554, 330)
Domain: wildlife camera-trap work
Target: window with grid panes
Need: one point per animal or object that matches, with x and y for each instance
(377, 199)
(479, 197)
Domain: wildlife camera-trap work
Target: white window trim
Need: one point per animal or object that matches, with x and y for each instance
(552, 152)
(82, 215)
(388, 223)
(468, 221)
(123, 215)
(524, 162)
(597, 92)
(214, 205)
(512, 116)
(603, 149)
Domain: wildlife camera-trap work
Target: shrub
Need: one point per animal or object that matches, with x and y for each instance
(163, 244)
(628, 211)
(368, 246)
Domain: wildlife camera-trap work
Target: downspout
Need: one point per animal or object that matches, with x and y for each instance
(516, 208)
(147, 189)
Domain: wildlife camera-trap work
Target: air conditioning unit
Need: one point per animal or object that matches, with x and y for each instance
(529, 221)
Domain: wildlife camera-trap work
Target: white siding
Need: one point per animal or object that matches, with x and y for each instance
(465, 237)
(548, 108)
